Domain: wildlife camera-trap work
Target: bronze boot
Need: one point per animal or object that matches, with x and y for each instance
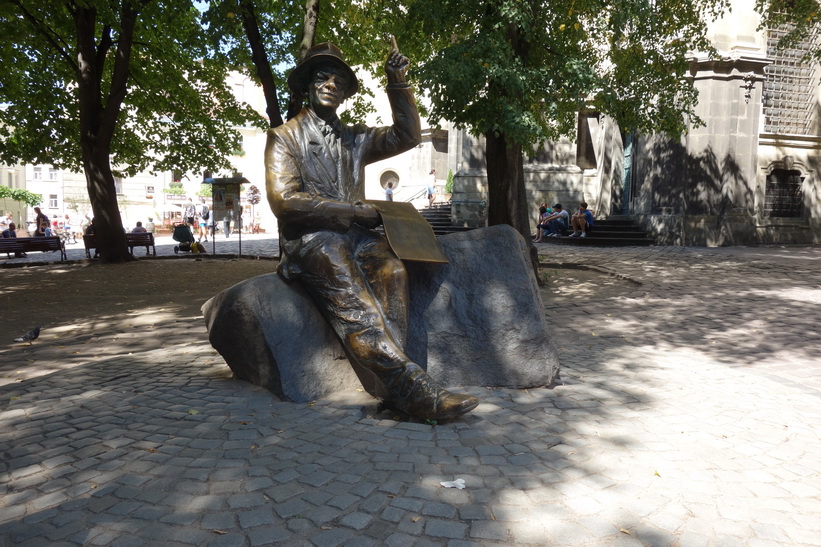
(419, 395)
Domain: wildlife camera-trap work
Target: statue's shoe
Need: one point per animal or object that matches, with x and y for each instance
(450, 405)
(428, 400)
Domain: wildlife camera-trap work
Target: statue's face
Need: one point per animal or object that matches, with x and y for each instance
(327, 87)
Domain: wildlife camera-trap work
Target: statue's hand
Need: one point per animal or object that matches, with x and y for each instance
(366, 215)
(397, 65)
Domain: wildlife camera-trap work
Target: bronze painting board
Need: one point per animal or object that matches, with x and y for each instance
(409, 234)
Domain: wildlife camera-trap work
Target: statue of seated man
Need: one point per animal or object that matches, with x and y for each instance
(315, 177)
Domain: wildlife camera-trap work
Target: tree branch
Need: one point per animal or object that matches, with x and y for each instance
(261, 62)
(119, 78)
(308, 32)
(54, 40)
(102, 49)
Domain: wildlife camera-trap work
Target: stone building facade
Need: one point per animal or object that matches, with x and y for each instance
(749, 175)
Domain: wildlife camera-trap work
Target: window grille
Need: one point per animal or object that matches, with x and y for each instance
(52, 201)
(783, 196)
(789, 88)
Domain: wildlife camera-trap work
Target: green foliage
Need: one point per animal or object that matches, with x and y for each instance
(175, 187)
(280, 23)
(525, 68)
(449, 183)
(800, 18)
(177, 109)
(18, 194)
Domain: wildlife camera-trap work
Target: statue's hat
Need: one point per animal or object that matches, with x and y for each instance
(321, 54)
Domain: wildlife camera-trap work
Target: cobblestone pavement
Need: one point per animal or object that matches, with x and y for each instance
(688, 415)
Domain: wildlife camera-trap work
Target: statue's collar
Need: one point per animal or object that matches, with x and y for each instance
(334, 125)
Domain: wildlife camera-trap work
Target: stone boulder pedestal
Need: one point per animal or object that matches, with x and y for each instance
(476, 321)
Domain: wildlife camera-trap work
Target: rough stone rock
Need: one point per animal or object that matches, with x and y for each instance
(475, 321)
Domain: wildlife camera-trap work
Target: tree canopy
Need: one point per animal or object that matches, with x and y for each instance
(170, 105)
(525, 68)
(18, 194)
(117, 87)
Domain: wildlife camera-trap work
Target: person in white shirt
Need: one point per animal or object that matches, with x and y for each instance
(558, 221)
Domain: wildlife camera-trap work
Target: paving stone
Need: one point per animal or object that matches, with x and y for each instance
(265, 535)
(336, 536)
(292, 508)
(445, 528)
(357, 521)
(489, 530)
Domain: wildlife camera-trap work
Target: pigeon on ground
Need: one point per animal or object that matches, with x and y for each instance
(29, 336)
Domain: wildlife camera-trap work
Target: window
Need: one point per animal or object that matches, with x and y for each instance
(38, 172)
(52, 201)
(11, 180)
(389, 176)
(783, 197)
(52, 173)
(789, 101)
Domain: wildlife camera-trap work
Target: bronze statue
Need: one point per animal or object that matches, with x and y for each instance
(315, 169)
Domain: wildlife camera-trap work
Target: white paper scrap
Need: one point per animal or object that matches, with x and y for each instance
(458, 483)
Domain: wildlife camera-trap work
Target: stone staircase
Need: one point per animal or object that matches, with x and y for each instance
(438, 216)
(615, 231)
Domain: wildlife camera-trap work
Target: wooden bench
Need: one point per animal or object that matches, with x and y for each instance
(30, 244)
(139, 239)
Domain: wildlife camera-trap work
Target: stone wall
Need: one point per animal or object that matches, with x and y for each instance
(551, 176)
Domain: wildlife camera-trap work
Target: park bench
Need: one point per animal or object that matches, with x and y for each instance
(30, 244)
(139, 239)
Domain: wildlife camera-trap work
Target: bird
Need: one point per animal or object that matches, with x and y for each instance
(29, 336)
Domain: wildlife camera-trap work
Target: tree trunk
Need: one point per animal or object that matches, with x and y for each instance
(507, 203)
(98, 119)
(308, 32)
(108, 224)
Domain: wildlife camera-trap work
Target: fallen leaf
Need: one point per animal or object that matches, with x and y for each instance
(193, 411)
(220, 532)
(657, 474)
(416, 519)
(623, 531)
